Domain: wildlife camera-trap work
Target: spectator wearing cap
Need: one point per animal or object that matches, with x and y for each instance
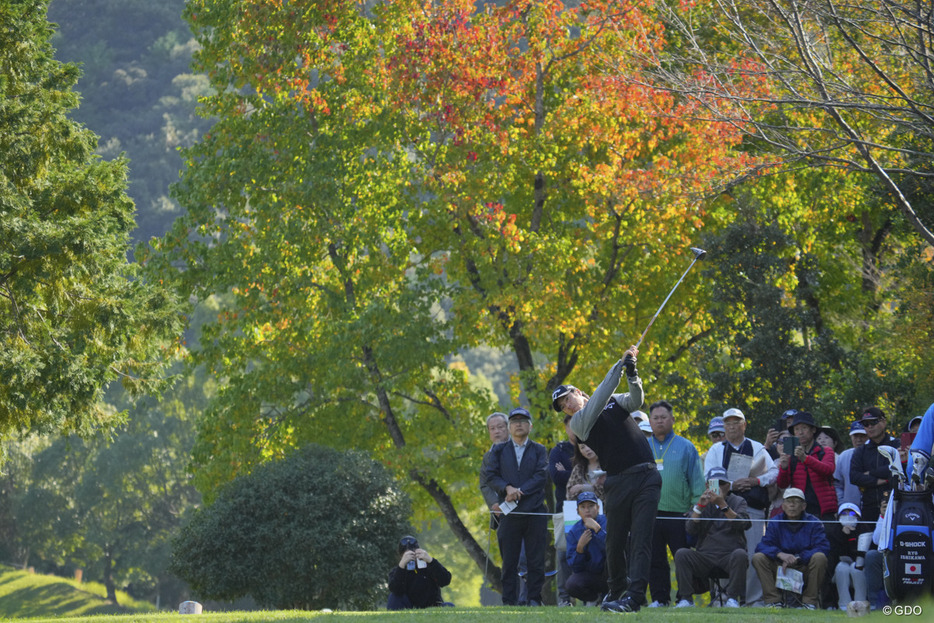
(417, 580)
(633, 484)
(586, 552)
(751, 473)
(716, 523)
(869, 470)
(913, 424)
(810, 468)
(844, 547)
(640, 418)
(560, 462)
(779, 430)
(715, 433)
(794, 539)
(517, 472)
(682, 483)
(715, 430)
(846, 490)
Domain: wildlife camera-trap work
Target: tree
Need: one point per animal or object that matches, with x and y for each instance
(392, 183)
(137, 92)
(822, 83)
(75, 314)
(109, 504)
(318, 528)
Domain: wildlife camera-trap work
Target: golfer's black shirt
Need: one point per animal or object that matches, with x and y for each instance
(618, 440)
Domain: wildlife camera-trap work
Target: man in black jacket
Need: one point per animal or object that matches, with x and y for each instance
(417, 580)
(869, 470)
(516, 470)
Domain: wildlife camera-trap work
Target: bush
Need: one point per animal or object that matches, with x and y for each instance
(316, 529)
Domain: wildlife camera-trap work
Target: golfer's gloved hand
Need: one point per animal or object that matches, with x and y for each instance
(629, 363)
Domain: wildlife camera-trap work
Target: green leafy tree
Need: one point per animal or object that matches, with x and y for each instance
(75, 314)
(109, 504)
(392, 183)
(318, 528)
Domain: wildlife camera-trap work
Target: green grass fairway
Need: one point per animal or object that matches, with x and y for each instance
(31, 598)
(485, 615)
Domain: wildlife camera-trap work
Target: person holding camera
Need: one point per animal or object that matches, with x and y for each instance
(752, 471)
(417, 580)
(809, 467)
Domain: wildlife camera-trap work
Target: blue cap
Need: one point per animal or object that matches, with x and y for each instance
(519, 412)
(587, 496)
(716, 425)
(857, 428)
(718, 473)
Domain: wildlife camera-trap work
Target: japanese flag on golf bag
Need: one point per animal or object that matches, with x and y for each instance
(908, 545)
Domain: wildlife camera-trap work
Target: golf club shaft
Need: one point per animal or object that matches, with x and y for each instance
(642, 337)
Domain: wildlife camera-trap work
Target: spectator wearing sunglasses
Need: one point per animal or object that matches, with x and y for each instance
(869, 470)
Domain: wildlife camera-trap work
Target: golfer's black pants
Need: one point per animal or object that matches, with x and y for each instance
(631, 501)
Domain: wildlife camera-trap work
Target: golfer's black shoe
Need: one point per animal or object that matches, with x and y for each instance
(624, 605)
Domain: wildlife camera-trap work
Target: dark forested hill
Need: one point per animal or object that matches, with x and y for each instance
(137, 92)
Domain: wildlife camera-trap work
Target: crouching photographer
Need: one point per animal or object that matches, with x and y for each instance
(417, 580)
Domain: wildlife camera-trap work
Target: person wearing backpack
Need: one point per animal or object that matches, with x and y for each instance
(810, 469)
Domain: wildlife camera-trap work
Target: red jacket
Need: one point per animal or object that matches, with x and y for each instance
(818, 467)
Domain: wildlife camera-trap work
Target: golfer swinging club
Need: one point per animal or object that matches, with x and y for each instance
(633, 485)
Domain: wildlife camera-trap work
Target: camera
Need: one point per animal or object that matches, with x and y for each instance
(408, 544)
(789, 444)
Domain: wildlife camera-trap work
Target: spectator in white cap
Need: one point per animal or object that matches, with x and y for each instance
(844, 548)
(797, 540)
(751, 471)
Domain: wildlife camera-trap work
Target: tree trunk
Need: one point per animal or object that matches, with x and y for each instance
(109, 580)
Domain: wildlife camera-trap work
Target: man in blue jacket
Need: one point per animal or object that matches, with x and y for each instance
(516, 470)
(794, 539)
(587, 551)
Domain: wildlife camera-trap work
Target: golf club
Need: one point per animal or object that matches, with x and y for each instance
(895, 464)
(699, 254)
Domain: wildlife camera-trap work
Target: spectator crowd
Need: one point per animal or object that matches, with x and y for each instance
(793, 521)
(776, 523)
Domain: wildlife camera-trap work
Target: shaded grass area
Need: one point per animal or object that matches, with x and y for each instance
(25, 594)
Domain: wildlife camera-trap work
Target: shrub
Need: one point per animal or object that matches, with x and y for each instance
(316, 529)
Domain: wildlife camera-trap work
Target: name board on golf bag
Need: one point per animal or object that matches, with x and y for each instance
(908, 572)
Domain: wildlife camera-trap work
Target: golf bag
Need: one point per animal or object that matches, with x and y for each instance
(909, 556)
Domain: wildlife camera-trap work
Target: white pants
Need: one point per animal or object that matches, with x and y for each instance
(753, 536)
(845, 573)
